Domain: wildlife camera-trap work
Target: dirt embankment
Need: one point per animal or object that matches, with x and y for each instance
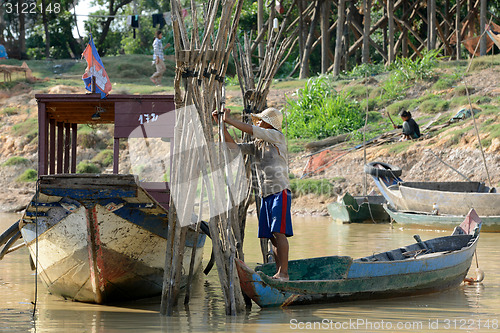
(419, 160)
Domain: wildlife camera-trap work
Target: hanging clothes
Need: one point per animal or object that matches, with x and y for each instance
(168, 18)
(158, 20)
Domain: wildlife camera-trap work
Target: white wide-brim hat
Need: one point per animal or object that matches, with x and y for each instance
(271, 116)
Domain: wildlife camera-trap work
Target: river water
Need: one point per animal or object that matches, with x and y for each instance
(468, 308)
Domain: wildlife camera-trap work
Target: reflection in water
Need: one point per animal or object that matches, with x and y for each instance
(313, 237)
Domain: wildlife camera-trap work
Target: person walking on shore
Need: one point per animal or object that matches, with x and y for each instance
(158, 58)
(271, 164)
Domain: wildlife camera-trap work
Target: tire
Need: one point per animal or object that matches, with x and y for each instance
(387, 171)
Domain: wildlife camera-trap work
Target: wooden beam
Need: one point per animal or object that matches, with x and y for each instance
(74, 137)
(52, 146)
(338, 41)
(482, 41)
(43, 127)
(60, 147)
(367, 6)
(325, 35)
(67, 145)
(457, 30)
(390, 20)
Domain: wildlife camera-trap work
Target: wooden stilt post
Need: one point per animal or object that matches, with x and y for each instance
(338, 41)
(325, 35)
(367, 7)
(404, 43)
(458, 27)
(390, 32)
(260, 27)
(482, 45)
(432, 24)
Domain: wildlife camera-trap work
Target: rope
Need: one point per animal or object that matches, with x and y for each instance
(472, 111)
(37, 196)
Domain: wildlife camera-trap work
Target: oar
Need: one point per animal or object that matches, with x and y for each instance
(9, 244)
(7, 234)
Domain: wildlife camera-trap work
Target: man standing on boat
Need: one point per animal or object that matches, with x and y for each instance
(271, 163)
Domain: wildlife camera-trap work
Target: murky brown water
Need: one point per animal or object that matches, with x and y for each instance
(462, 309)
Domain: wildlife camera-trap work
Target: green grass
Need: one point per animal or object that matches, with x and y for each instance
(318, 187)
(28, 129)
(28, 175)
(296, 145)
(9, 111)
(399, 147)
(483, 62)
(16, 160)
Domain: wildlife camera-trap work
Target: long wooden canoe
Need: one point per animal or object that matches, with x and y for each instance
(490, 223)
(422, 267)
(101, 237)
(450, 198)
(359, 209)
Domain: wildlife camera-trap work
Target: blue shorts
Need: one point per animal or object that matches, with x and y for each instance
(275, 215)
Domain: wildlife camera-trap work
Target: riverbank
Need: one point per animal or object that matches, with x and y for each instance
(455, 144)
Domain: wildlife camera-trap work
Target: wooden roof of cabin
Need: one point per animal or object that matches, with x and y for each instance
(79, 108)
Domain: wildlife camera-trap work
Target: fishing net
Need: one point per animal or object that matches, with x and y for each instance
(207, 180)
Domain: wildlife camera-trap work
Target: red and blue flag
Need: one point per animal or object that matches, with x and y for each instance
(95, 68)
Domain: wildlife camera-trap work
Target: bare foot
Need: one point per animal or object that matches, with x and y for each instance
(153, 80)
(281, 277)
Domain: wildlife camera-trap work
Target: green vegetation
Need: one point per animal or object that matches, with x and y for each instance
(10, 110)
(28, 175)
(104, 158)
(301, 187)
(320, 111)
(87, 167)
(28, 129)
(16, 160)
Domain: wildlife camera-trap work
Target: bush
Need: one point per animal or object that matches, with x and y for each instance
(321, 112)
(363, 70)
(418, 69)
(16, 160)
(87, 167)
(104, 158)
(28, 175)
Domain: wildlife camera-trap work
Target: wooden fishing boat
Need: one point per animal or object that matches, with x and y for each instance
(359, 209)
(450, 198)
(422, 267)
(490, 223)
(101, 238)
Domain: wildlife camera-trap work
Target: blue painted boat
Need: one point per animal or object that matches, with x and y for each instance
(422, 267)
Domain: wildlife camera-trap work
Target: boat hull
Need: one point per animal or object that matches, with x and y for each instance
(451, 198)
(490, 223)
(361, 209)
(419, 268)
(103, 249)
